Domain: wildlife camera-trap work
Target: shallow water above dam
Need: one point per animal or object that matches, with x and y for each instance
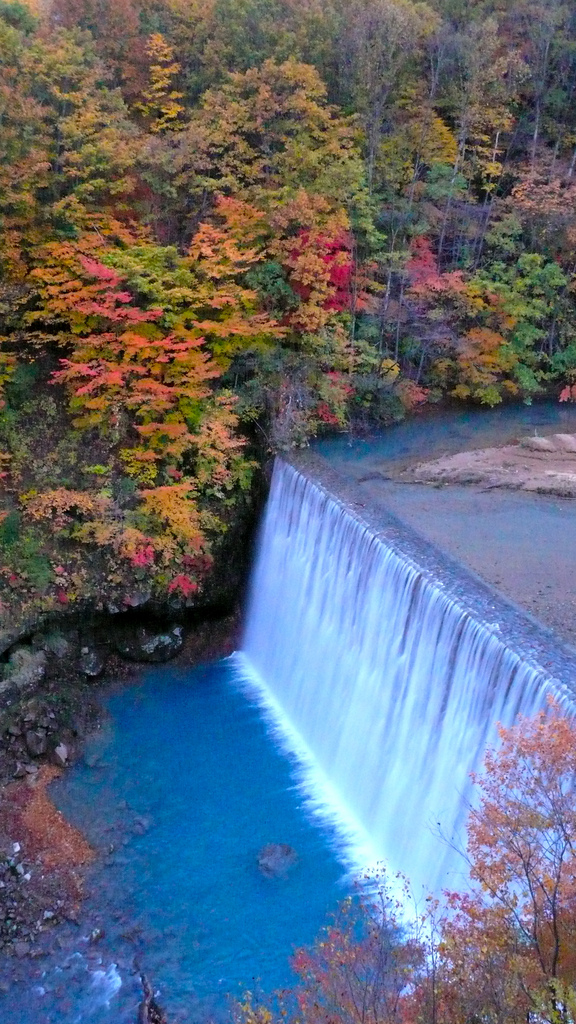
(432, 433)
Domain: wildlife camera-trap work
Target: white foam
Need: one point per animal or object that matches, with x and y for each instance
(355, 847)
(105, 984)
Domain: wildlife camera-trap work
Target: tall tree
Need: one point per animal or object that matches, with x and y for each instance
(510, 948)
(379, 42)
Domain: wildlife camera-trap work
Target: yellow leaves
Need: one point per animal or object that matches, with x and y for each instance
(389, 370)
(269, 131)
(226, 312)
(140, 464)
(421, 140)
(7, 367)
(253, 1012)
(159, 103)
(438, 143)
(62, 506)
(175, 509)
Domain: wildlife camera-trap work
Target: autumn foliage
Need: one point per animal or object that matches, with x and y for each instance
(226, 227)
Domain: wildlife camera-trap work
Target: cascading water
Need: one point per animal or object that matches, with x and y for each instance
(380, 673)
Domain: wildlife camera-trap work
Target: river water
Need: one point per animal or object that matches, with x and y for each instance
(435, 433)
(179, 792)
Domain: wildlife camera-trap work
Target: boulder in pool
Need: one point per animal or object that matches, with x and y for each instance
(276, 859)
(145, 643)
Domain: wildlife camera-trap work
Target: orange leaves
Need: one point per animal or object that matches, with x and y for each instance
(501, 952)
(218, 251)
(482, 356)
(364, 968)
(173, 430)
(175, 535)
(311, 242)
(411, 394)
(244, 222)
(74, 288)
(542, 194)
(63, 507)
(122, 359)
(143, 379)
(517, 927)
(527, 788)
(149, 378)
(218, 449)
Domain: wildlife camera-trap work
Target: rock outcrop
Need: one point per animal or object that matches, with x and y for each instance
(546, 465)
(24, 670)
(147, 643)
(276, 859)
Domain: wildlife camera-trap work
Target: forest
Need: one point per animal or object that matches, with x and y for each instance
(227, 226)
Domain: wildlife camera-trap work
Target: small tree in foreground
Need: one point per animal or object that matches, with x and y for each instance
(359, 971)
(504, 951)
(509, 944)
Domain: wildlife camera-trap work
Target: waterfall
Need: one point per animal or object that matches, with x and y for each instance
(378, 668)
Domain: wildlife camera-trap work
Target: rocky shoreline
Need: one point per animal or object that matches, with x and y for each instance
(52, 695)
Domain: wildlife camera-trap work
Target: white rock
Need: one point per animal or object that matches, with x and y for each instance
(61, 753)
(566, 442)
(538, 444)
